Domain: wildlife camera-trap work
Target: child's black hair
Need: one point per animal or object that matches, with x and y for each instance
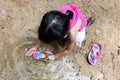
(54, 26)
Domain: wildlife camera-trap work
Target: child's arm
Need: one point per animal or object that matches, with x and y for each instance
(30, 51)
(66, 51)
(38, 43)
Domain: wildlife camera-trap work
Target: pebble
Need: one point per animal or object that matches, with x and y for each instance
(98, 32)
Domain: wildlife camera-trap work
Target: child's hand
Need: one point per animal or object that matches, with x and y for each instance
(31, 51)
(51, 57)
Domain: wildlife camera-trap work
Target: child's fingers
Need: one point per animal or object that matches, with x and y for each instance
(30, 52)
(27, 54)
(48, 60)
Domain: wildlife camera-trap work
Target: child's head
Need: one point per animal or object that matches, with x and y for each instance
(54, 26)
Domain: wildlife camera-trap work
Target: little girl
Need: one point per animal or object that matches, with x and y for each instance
(67, 22)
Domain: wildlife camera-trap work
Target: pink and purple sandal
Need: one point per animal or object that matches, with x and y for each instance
(42, 55)
(93, 54)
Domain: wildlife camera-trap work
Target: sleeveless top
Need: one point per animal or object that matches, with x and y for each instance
(76, 14)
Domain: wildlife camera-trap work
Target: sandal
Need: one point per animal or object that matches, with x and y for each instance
(93, 54)
(42, 55)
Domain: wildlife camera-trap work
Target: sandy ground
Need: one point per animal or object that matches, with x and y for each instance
(19, 21)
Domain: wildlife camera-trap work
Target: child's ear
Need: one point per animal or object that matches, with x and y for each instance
(65, 35)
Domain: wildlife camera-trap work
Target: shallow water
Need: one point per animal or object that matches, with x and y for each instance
(15, 65)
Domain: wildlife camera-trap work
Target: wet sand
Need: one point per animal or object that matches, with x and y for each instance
(19, 21)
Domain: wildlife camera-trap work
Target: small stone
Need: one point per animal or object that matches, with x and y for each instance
(2, 27)
(98, 32)
(3, 12)
(73, 67)
(77, 74)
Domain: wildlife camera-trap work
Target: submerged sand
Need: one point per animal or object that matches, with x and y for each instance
(19, 21)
